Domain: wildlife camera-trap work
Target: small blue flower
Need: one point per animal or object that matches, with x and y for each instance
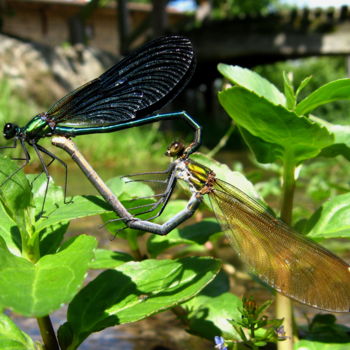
(220, 343)
(281, 334)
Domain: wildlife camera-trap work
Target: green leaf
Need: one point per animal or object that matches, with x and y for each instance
(265, 152)
(289, 91)
(341, 145)
(9, 232)
(82, 206)
(51, 238)
(303, 83)
(49, 283)
(16, 195)
(124, 188)
(331, 220)
(135, 206)
(198, 233)
(132, 190)
(171, 209)
(333, 91)
(116, 185)
(65, 336)
(108, 259)
(136, 290)
(54, 196)
(252, 81)
(313, 345)
(210, 315)
(294, 138)
(12, 338)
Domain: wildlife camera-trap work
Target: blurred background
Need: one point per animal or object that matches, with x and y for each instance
(50, 47)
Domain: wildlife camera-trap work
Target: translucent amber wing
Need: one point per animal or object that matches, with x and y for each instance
(284, 259)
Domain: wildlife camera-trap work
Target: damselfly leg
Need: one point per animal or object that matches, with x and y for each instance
(26, 159)
(53, 157)
(164, 196)
(38, 150)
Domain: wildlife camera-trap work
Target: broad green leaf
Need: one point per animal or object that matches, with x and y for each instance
(81, 206)
(9, 232)
(212, 309)
(52, 235)
(314, 345)
(332, 220)
(108, 259)
(135, 190)
(124, 188)
(218, 311)
(333, 91)
(16, 191)
(136, 290)
(11, 337)
(49, 283)
(171, 209)
(116, 185)
(294, 138)
(116, 226)
(16, 195)
(51, 238)
(198, 233)
(54, 195)
(265, 152)
(341, 145)
(252, 81)
(65, 336)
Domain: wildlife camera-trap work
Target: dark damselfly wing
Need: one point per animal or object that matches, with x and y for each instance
(138, 85)
(284, 259)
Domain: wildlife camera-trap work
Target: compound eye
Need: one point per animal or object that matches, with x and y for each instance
(10, 130)
(175, 149)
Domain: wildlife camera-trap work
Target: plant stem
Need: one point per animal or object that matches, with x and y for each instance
(222, 141)
(284, 308)
(288, 193)
(132, 239)
(47, 333)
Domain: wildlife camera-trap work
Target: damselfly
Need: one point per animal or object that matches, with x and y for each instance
(284, 259)
(124, 96)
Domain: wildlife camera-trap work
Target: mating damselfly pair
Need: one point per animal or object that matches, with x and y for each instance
(125, 96)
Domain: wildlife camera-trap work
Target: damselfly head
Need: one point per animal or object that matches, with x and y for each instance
(176, 149)
(10, 130)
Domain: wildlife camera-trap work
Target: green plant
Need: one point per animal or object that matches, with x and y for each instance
(255, 328)
(322, 70)
(36, 259)
(40, 271)
(278, 128)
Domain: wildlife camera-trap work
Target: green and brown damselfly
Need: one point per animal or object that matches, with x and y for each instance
(284, 259)
(287, 261)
